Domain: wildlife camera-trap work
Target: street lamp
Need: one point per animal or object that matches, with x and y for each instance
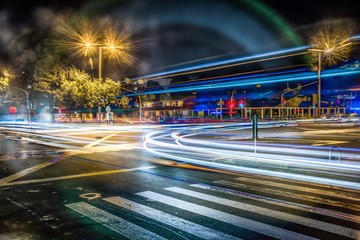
(27, 102)
(23, 90)
(84, 36)
(329, 47)
(100, 46)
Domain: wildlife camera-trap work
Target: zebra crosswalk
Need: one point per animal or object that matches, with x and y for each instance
(174, 221)
(198, 209)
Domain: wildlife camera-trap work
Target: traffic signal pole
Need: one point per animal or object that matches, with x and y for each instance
(255, 119)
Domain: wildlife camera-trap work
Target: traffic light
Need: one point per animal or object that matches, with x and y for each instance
(231, 105)
(12, 110)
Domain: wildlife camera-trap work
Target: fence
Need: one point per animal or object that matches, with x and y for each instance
(132, 114)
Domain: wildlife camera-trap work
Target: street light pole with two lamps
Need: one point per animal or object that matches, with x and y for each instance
(110, 47)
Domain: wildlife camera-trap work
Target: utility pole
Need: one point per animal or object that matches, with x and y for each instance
(319, 86)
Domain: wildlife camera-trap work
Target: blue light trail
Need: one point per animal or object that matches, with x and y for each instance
(234, 82)
(225, 62)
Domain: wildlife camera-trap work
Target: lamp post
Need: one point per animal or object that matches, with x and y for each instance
(329, 47)
(319, 87)
(27, 102)
(100, 46)
(100, 62)
(140, 101)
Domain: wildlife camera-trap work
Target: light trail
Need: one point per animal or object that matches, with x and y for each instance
(194, 69)
(228, 66)
(234, 62)
(253, 75)
(271, 159)
(194, 144)
(234, 81)
(271, 148)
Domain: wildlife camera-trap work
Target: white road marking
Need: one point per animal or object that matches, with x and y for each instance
(330, 192)
(72, 151)
(336, 229)
(171, 220)
(284, 193)
(249, 224)
(113, 222)
(31, 170)
(101, 140)
(279, 202)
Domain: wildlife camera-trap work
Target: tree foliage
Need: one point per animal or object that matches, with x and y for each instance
(48, 74)
(72, 87)
(4, 83)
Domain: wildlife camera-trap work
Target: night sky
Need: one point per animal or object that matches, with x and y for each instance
(176, 31)
(299, 12)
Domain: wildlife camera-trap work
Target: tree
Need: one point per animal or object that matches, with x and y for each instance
(4, 77)
(109, 89)
(4, 83)
(80, 91)
(75, 89)
(48, 75)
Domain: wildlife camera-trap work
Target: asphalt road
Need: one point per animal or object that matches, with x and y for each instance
(100, 183)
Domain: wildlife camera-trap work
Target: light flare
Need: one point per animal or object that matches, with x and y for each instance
(334, 43)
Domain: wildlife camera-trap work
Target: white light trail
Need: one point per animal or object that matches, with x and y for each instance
(268, 160)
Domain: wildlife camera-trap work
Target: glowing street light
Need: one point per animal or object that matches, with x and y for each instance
(329, 47)
(84, 38)
(111, 50)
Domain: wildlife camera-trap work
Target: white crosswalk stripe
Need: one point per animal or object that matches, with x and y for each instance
(113, 222)
(249, 224)
(279, 202)
(347, 232)
(288, 193)
(210, 202)
(329, 192)
(171, 220)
